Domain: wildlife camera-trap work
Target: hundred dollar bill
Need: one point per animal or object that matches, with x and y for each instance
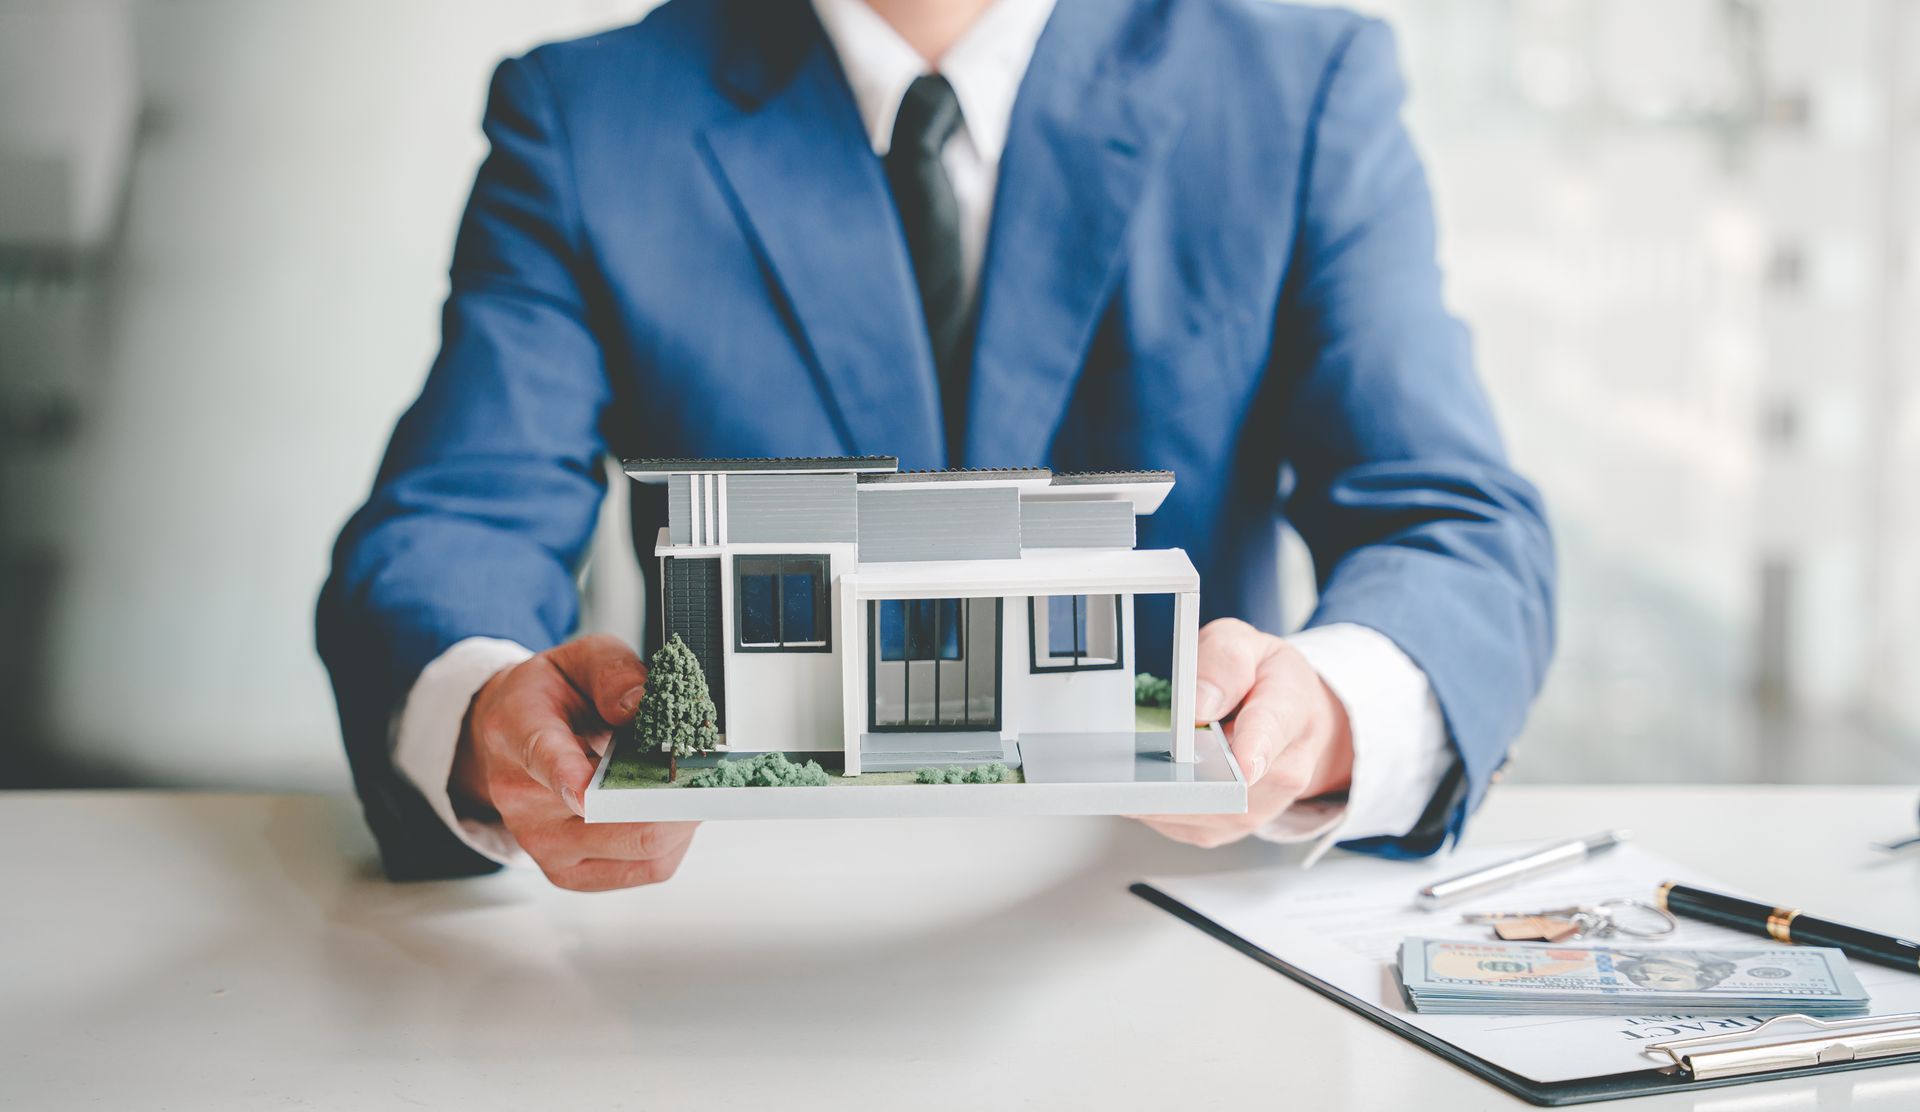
(1441, 975)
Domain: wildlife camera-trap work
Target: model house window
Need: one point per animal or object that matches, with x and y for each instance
(1074, 632)
(920, 629)
(781, 602)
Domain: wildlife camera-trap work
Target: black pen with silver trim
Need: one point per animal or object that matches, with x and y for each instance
(1788, 924)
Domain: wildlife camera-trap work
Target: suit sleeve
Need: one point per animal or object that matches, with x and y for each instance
(487, 497)
(1418, 526)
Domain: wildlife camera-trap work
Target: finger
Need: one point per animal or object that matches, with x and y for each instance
(1286, 779)
(573, 841)
(1262, 727)
(1283, 785)
(560, 841)
(596, 743)
(603, 875)
(557, 761)
(1206, 835)
(605, 670)
(1229, 655)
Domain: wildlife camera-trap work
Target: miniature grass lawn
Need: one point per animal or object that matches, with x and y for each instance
(632, 769)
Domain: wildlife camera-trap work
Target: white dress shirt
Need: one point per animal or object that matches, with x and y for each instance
(985, 68)
(1399, 737)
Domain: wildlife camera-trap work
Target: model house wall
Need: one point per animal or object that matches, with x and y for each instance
(921, 521)
(1076, 523)
(799, 508)
(775, 700)
(756, 552)
(1087, 700)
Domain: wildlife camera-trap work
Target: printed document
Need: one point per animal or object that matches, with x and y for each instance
(1342, 923)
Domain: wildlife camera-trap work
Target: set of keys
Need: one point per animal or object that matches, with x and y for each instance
(1632, 918)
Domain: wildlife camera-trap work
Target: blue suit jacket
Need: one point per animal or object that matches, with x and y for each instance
(1212, 251)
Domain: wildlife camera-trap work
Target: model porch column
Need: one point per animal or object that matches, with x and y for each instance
(1186, 664)
(853, 670)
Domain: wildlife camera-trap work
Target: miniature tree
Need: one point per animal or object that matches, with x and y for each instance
(676, 716)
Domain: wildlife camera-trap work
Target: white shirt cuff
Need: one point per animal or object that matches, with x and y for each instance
(1400, 749)
(427, 732)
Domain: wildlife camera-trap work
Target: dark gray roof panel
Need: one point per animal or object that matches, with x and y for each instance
(1079, 478)
(957, 475)
(860, 464)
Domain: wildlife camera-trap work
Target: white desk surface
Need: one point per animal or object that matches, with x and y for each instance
(239, 951)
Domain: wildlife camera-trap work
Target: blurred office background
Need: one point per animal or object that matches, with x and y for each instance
(1685, 233)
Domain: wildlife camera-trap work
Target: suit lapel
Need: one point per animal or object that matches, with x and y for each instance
(806, 185)
(1085, 137)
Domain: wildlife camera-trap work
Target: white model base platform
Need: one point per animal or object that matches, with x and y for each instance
(1066, 774)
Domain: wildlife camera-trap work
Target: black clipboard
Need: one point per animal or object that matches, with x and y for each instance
(1617, 1086)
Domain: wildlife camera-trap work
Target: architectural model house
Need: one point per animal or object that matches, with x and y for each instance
(883, 622)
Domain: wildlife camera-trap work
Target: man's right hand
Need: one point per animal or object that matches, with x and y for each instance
(527, 751)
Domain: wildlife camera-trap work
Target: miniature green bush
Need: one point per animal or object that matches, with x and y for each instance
(767, 770)
(677, 714)
(979, 774)
(1150, 690)
(987, 773)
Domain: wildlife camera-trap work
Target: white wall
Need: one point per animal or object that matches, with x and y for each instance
(69, 100)
(786, 701)
(274, 305)
(1063, 702)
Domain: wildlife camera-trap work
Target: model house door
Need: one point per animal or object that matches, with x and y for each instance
(935, 664)
(690, 591)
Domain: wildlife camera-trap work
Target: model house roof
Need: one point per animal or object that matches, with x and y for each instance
(1146, 488)
(959, 474)
(1090, 478)
(1135, 571)
(657, 470)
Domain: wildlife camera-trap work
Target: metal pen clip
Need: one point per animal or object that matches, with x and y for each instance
(1705, 1057)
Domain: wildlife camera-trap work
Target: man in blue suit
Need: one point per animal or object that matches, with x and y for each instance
(1184, 234)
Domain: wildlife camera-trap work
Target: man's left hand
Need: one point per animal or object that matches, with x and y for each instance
(1287, 728)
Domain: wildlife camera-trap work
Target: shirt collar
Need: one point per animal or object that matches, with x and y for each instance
(985, 67)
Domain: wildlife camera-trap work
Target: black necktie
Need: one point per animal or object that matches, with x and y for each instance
(929, 115)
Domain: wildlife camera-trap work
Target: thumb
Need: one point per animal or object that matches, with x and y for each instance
(604, 669)
(1229, 659)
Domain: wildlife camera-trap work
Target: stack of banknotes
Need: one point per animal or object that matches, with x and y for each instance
(1511, 978)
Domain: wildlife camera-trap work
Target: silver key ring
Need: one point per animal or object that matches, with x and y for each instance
(1640, 919)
